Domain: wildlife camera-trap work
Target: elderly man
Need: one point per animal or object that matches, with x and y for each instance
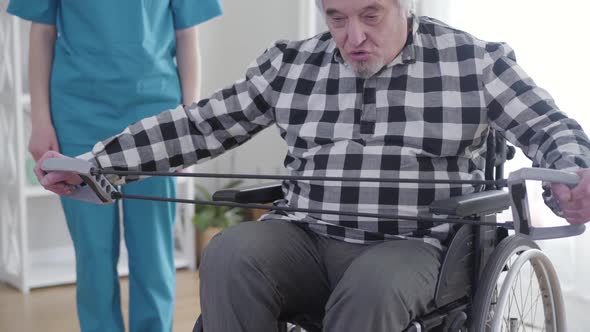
(382, 94)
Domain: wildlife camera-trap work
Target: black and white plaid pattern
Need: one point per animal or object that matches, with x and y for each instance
(425, 115)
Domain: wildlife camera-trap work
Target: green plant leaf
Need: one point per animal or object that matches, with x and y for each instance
(215, 216)
(233, 184)
(203, 191)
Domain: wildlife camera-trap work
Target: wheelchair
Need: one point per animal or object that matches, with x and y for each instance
(490, 279)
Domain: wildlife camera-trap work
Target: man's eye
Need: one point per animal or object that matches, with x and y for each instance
(337, 21)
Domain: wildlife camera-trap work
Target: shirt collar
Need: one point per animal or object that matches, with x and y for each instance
(408, 53)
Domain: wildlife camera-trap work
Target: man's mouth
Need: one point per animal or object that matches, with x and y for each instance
(359, 55)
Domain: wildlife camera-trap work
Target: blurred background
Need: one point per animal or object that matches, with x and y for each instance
(549, 37)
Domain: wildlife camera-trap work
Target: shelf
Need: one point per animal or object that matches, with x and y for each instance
(37, 191)
(56, 266)
(51, 267)
(27, 101)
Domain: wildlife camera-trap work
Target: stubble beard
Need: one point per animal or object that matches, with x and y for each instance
(366, 69)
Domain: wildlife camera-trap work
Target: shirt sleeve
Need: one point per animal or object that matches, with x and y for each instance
(188, 13)
(529, 118)
(184, 136)
(34, 10)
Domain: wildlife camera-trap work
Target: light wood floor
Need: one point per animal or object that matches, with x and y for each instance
(54, 309)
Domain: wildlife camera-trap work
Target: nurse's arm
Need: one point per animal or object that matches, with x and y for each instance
(188, 59)
(42, 40)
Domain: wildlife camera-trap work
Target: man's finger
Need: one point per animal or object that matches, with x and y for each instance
(60, 188)
(575, 204)
(582, 190)
(37, 170)
(575, 221)
(57, 177)
(561, 192)
(578, 213)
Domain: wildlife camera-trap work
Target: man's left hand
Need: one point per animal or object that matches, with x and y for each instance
(575, 202)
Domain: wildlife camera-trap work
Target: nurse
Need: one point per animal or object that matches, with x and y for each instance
(94, 68)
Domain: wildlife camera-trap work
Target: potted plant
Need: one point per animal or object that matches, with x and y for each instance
(210, 220)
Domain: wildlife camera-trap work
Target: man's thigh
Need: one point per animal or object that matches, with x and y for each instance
(394, 281)
(275, 258)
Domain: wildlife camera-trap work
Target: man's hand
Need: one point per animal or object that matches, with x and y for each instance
(575, 202)
(60, 183)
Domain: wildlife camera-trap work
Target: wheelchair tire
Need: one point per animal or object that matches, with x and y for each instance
(518, 291)
(294, 328)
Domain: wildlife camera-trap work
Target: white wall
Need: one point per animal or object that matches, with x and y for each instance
(550, 39)
(228, 45)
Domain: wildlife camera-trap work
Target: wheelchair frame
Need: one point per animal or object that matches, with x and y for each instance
(474, 260)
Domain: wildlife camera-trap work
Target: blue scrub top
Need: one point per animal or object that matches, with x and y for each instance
(114, 61)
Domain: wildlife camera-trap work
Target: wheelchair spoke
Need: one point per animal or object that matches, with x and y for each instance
(522, 292)
(522, 312)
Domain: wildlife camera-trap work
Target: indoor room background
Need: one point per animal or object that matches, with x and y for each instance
(549, 37)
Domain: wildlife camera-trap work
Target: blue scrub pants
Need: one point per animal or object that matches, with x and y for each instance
(148, 230)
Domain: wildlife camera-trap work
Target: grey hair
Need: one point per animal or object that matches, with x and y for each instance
(407, 5)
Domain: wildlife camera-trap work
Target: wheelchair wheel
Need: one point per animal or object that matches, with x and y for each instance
(294, 328)
(519, 291)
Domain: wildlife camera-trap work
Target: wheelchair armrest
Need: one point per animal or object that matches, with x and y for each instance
(489, 201)
(258, 194)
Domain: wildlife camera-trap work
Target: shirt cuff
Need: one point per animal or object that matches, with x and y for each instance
(91, 158)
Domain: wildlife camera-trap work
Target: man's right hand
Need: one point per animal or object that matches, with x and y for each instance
(42, 139)
(61, 183)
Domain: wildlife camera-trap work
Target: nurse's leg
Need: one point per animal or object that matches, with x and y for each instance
(148, 228)
(95, 233)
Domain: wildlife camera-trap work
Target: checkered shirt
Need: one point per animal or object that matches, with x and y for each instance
(425, 115)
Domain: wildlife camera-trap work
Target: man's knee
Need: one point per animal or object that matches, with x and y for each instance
(387, 304)
(381, 289)
(392, 277)
(243, 247)
(227, 248)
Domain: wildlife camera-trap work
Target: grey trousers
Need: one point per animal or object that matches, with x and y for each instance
(254, 274)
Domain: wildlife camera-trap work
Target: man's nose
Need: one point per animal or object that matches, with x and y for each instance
(356, 33)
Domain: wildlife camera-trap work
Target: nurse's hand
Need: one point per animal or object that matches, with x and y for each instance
(61, 183)
(42, 139)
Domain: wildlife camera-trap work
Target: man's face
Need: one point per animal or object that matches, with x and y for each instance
(368, 33)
